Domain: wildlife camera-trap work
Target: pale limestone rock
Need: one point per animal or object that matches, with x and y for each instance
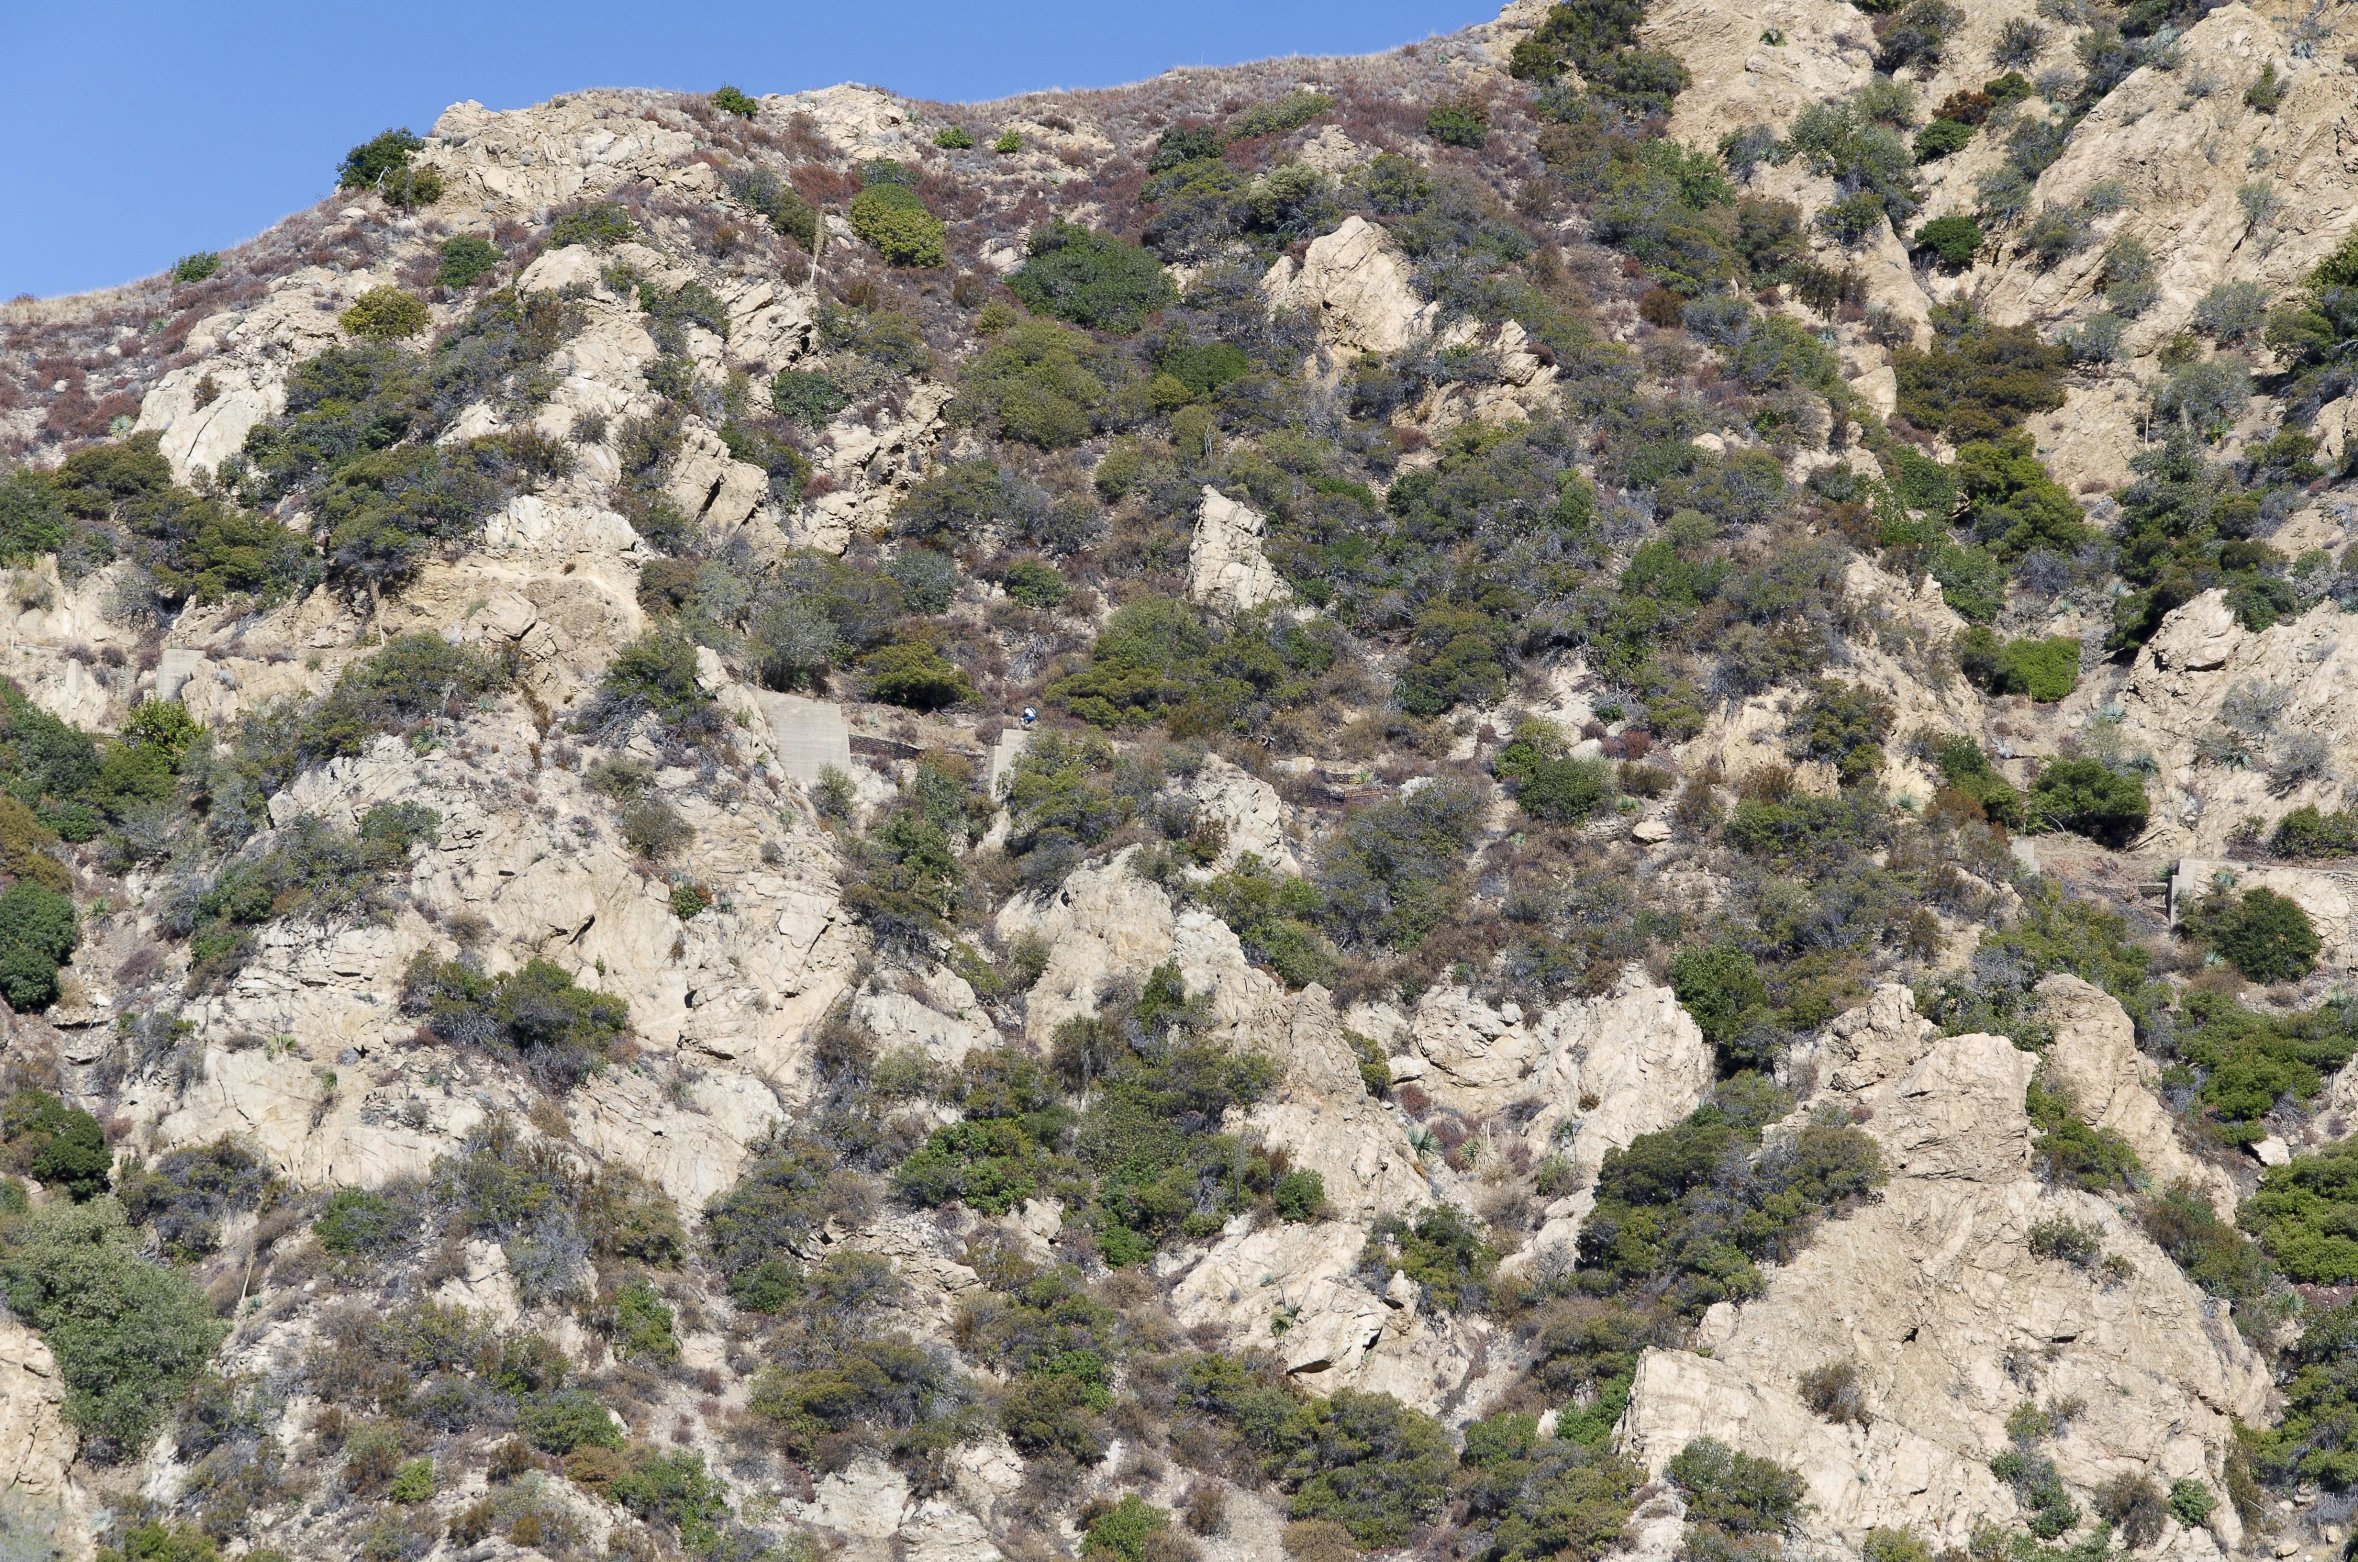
(522, 161)
(2094, 1059)
(871, 467)
(1926, 1289)
(2174, 695)
(1357, 281)
(1251, 812)
(1225, 565)
(711, 487)
(1321, 1115)
(1106, 922)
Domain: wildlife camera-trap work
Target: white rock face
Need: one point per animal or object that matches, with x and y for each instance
(1358, 282)
(1932, 1292)
(1225, 565)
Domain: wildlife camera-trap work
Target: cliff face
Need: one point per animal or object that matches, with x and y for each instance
(1217, 815)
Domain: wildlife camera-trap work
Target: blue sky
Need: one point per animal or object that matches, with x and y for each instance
(138, 132)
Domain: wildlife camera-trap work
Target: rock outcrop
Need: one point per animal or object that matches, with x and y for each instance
(1934, 1295)
(1225, 565)
(1357, 282)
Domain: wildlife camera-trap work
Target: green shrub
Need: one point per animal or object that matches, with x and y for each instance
(674, 1490)
(1968, 771)
(643, 1325)
(1460, 123)
(2264, 935)
(128, 1335)
(1720, 987)
(466, 258)
(928, 579)
(1008, 143)
(1119, 1533)
(764, 192)
(2012, 504)
(186, 1194)
(195, 268)
(558, 1423)
(954, 138)
(1547, 1497)
(413, 1482)
(385, 314)
(2070, 1151)
(1034, 583)
(1038, 382)
(1390, 874)
(892, 218)
(916, 675)
(2191, 1502)
(1366, 1462)
(782, 1200)
(1599, 38)
(2087, 798)
(2306, 832)
(535, 1015)
(57, 1145)
(595, 223)
(2046, 670)
(806, 395)
(1275, 920)
(38, 933)
(730, 101)
(1439, 1249)
(1735, 1492)
(1981, 383)
(411, 680)
(1300, 1195)
(380, 161)
(1091, 279)
(357, 1221)
(1935, 141)
(1844, 725)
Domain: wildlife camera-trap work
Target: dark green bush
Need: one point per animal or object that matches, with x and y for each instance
(2045, 670)
(1720, 987)
(535, 1015)
(1981, 383)
(780, 1203)
(1599, 38)
(1735, 1492)
(466, 259)
(764, 192)
(413, 679)
(674, 1490)
(185, 1195)
(1366, 1462)
(1091, 279)
(1968, 771)
(595, 223)
(2070, 1151)
(2314, 1441)
(1935, 141)
(2087, 798)
(1275, 919)
(1843, 725)
(1119, 1533)
(1038, 382)
(1390, 874)
(1440, 1250)
(954, 138)
(806, 395)
(1034, 583)
(355, 1221)
(2306, 832)
(195, 268)
(1458, 123)
(378, 161)
(38, 933)
(56, 1144)
(1300, 1195)
(730, 101)
(2264, 935)
(914, 674)
(1545, 1497)
(128, 1335)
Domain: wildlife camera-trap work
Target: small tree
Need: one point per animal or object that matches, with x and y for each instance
(730, 101)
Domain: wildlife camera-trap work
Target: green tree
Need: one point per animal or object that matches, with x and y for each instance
(2268, 937)
(1091, 279)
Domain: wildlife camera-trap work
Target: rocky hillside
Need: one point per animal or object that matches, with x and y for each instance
(1584, 793)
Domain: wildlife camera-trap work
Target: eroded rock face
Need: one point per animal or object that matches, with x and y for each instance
(1225, 565)
(1933, 1294)
(2295, 675)
(1357, 281)
(2094, 1059)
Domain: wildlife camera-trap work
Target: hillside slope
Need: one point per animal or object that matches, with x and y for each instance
(1579, 792)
